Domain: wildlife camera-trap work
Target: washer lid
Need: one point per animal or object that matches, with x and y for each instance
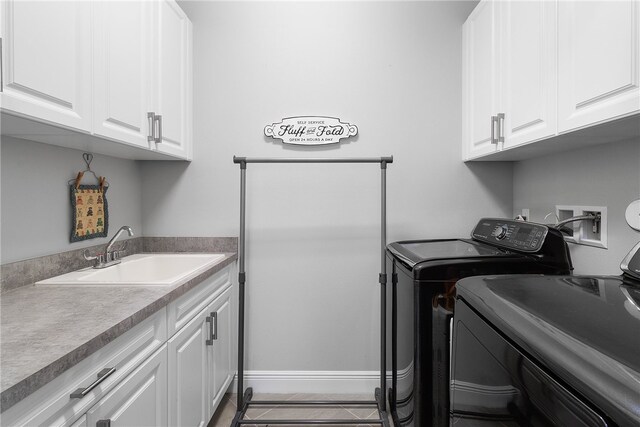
(417, 251)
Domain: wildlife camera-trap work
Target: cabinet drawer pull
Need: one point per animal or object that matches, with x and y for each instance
(210, 322)
(214, 316)
(152, 127)
(213, 327)
(158, 118)
(494, 120)
(102, 375)
(500, 127)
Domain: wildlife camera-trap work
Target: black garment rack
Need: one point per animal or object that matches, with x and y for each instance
(245, 396)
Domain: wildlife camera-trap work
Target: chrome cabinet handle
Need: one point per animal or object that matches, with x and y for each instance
(214, 316)
(152, 128)
(500, 127)
(210, 322)
(102, 375)
(494, 120)
(158, 118)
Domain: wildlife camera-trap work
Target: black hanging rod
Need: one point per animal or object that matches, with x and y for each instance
(314, 402)
(310, 422)
(241, 160)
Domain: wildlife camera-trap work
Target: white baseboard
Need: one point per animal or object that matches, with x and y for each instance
(326, 382)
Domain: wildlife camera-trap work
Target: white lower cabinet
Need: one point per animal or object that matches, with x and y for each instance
(82, 422)
(173, 368)
(139, 400)
(188, 361)
(200, 364)
(53, 404)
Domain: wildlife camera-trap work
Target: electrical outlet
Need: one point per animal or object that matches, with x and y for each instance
(525, 214)
(584, 232)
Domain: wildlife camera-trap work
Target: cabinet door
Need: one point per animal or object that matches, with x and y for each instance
(173, 94)
(480, 81)
(598, 61)
(140, 399)
(82, 422)
(528, 85)
(122, 71)
(222, 349)
(46, 61)
(188, 367)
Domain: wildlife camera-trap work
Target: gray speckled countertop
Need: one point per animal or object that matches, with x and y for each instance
(45, 330)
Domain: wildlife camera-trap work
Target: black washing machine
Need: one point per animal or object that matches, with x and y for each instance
(424, 276)
(548, 351)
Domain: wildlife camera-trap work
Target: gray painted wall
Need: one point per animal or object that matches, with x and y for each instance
(35, 209)
(604, 175)
(391, 68)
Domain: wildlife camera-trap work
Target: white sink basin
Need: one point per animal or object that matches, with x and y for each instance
(142, 270)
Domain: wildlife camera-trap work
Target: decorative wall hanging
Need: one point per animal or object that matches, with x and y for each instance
(90, 214)
(310, 130)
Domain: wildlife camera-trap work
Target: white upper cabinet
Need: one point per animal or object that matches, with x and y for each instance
(599, 61)
(528, 94)
(122, 71)
(119, 71)
(480, 81)
(46, 61)
(173, 79)
(509, 69)
(560, 66)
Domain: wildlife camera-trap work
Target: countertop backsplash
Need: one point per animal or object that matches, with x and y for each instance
(21, 273)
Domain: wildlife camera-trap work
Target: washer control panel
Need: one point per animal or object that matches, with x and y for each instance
(517, 235)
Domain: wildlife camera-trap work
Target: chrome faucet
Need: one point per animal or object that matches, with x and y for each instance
(109, 257)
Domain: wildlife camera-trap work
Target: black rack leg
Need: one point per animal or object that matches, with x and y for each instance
(383, 340)
(242, 277)
(248, 394)
(380, 398)
(240, 374)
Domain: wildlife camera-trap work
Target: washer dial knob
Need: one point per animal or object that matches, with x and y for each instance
(500, 232)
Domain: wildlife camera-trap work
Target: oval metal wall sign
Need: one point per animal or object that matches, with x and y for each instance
(310, 130)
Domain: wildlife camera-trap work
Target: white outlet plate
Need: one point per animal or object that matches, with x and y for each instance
(564, 212)
(581, 229)
(525, 215)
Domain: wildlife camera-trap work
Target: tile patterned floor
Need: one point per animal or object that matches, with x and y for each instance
(227, 409)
